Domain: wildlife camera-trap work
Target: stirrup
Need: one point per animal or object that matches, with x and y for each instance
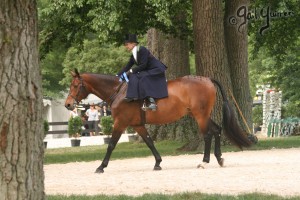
(152, 106)
(144, 107)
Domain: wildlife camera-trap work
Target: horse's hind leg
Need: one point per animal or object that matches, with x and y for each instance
(216, 131)
(142, 131)
(213, 130)
(207, 146)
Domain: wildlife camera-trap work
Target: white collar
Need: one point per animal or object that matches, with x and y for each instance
(134, 52)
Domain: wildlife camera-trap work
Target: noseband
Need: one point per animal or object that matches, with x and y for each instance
(81, 89)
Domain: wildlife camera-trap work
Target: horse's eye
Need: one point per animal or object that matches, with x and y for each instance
(75, 86)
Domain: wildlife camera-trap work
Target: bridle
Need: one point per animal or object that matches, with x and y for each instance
(79, 91)
(82, 88)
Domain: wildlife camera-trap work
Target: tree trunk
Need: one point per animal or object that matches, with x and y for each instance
(209, 40)
(237, 52)
(174, 53)
(21, 133)
(209, 44)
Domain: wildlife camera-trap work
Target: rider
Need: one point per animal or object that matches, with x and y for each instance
(146, 74)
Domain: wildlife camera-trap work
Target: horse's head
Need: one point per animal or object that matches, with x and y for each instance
(78, 91)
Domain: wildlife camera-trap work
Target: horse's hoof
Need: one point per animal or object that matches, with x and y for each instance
(202, 165)
(99, 171)
(221, 162)
(156, 168)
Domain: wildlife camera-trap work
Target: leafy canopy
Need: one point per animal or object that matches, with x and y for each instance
(93, 58)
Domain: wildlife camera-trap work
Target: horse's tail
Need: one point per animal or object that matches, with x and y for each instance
(232, 130)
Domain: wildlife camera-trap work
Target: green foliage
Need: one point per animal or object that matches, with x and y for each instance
(274, 56)
(52, 74)
(74, 126)
(94, 58)
(72, 21)
(65, 22)
(107, 124)
(283, 75)
(257, 115)
(46, 126)
(291, 109)
(283, 32)
(130, 130)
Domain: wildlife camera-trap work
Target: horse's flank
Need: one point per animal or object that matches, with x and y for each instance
(179, 101)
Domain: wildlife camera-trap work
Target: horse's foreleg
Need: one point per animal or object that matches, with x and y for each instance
(149, 142)
(111, 146)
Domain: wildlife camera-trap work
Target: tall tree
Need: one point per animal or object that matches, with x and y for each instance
(210, 48)
(21, 133)
(174, 53)
(236, 38)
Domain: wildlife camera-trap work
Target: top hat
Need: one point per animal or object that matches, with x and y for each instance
(130, 38)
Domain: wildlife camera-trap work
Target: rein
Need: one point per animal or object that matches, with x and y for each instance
(112, 97)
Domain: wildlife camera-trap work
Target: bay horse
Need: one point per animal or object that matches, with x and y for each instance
(193, 95)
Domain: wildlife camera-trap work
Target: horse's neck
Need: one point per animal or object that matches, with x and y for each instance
(102, 86)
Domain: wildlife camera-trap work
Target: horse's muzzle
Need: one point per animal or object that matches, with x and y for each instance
(70, 106)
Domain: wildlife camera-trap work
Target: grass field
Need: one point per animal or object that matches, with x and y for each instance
(181, 196)
(130, 150)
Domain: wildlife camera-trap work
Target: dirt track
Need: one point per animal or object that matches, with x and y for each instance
(270, 171)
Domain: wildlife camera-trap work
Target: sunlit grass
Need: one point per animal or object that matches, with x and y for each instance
(131, 150)
(179, 196)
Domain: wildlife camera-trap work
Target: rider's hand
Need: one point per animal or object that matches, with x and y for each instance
(121, 78)
(129, 72)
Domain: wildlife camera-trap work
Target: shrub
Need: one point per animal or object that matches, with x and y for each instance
(46, 126)
(74, 126)
(257, 115)
(107, 124)
(130, 130)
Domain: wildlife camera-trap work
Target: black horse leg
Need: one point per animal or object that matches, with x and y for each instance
(149, 142)
(207, 146)
(111, 146)
(216, 131)
(213, 130)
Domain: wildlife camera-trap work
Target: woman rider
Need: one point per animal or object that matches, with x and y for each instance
(146, 74)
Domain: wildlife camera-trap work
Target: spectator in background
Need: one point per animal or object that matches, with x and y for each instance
(84, 127)
(92, 115)
(74, 113)
(105, 111)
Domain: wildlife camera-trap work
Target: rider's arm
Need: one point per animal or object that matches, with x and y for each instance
(127, 67)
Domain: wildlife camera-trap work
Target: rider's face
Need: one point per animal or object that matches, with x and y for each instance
(129, 45)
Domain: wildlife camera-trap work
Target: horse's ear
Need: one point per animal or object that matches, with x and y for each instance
(75, 73)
